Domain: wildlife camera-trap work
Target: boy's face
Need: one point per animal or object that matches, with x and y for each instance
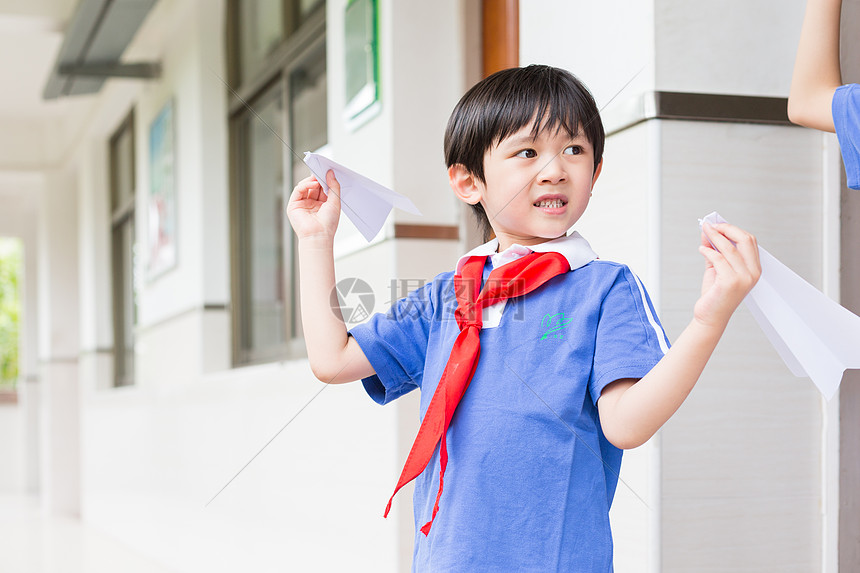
(536, 188)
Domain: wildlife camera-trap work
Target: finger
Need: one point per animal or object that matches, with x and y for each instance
(732, 233)
(307, 180)
(307, 183)
(705, 241)
(308, 188)
(743, 251)
(729, 264)
(716, 260)
(745, 242)
(725, 246)
(334, 188)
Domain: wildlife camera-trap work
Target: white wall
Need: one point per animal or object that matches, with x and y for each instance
(606, 44)
(179, 289)
(425, 91)
(740, 47)
(96, 327)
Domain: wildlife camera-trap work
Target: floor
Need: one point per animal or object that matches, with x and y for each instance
(31, 542)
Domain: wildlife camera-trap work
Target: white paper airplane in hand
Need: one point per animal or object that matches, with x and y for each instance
(364, 201)
(815, 337)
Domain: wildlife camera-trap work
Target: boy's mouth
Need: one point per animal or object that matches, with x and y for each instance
(550, 203)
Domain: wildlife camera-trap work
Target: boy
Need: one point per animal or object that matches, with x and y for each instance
(530, 389)
(818, 99)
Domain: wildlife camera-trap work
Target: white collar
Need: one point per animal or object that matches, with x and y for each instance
(573, 247)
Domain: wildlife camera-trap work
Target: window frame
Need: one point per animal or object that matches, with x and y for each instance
(122, 215)
(300, 46)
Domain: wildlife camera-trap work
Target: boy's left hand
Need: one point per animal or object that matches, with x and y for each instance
(731, 271)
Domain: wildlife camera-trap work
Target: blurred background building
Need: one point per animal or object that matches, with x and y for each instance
(147, 150)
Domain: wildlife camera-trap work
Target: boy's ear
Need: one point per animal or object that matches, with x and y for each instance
(464, 184)
(597, 171)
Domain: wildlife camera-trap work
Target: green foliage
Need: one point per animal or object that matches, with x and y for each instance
(10, 309)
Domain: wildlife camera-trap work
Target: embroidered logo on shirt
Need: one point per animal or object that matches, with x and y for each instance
(552, 324)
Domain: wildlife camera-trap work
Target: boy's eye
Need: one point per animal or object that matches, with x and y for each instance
(527, 153)
(573, 150)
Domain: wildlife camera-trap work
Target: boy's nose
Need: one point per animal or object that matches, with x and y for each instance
(552, 172)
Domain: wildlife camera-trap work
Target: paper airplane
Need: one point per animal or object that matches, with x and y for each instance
(815, 337)
(365, 202)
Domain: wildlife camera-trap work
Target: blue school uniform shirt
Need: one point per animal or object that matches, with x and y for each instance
(530, 476)
(846, 119)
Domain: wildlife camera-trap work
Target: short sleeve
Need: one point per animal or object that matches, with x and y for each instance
(630, 340)
(846, 119)
(395, 344)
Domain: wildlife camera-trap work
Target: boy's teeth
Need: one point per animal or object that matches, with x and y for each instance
(553, 204)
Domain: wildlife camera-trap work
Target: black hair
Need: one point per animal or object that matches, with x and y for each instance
(505, 102)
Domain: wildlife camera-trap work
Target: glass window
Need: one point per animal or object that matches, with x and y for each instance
(261, 213)
(359, 27)
(261, 31)
(283, 114)
(123, 251)
(308, 120)
(308, 6)
(264, 26)
(308, 132)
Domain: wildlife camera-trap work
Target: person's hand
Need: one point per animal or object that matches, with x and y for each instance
(731, 271)
(312, 213)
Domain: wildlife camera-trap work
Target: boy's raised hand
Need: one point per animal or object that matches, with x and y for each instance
(312, 213)
(732, 269)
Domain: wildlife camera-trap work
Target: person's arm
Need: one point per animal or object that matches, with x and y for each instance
(630, 411)
(816, 69)
(334, 356)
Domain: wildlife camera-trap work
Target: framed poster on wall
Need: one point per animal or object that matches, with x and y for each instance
(161, 199)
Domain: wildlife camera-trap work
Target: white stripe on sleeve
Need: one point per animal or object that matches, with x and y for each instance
(659, 331)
